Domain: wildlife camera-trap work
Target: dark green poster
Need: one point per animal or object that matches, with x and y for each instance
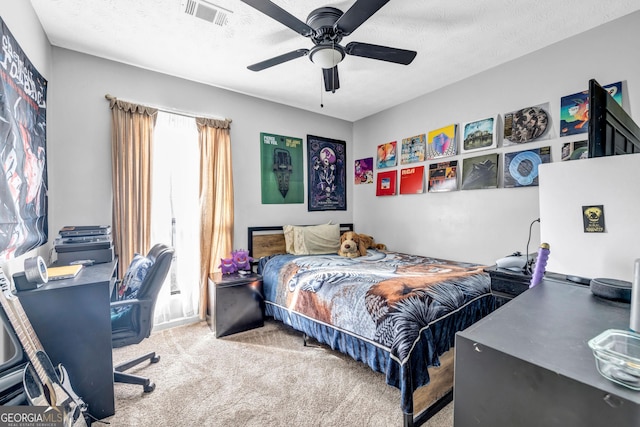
(281, 159)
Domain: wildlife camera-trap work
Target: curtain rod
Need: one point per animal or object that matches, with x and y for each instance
(169, 110)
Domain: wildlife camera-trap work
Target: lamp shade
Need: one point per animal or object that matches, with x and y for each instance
(326, 56)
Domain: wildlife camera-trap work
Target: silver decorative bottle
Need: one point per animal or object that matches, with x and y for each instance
(634, 323)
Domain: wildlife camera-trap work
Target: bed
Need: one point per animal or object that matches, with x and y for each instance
(396, 312)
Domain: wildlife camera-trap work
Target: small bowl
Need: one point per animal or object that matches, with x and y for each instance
(617, 356)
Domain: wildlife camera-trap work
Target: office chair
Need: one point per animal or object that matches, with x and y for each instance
(132, 315)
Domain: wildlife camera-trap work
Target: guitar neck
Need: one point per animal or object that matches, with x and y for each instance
(22, 326)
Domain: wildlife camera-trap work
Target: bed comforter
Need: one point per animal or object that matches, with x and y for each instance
(395, 312)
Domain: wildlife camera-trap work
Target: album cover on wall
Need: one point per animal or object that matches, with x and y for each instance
(386, 183)
(479, 135)
(574, 110)
(480, 172)
(575, 150)
(443, 176)
(442, 142)
(521, 167)
(363, 171)
(413, 149)
(527, 124)
(412, 180)
(387, 155)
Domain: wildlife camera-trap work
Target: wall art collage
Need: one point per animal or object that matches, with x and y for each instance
(511, 130)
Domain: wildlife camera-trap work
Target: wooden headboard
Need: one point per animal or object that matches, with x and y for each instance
(269, 240)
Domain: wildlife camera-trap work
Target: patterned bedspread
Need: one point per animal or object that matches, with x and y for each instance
(395, 312)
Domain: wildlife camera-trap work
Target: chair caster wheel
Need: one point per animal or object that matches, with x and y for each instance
(155, 359)
(148, 388)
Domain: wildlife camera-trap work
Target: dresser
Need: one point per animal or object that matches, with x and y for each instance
(528, 363)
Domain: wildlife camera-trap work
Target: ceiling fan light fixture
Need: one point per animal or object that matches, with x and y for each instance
(327, 56)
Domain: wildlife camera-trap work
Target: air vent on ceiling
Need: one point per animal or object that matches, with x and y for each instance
(206, 11)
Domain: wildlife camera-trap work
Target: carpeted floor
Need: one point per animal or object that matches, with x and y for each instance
(262, 377)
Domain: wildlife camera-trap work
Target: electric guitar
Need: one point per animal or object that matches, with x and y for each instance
(42, 384)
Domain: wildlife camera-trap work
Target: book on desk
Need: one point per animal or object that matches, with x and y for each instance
(64, 272)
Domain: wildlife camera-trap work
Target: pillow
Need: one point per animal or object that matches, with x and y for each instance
(134, 276)
(312, 239)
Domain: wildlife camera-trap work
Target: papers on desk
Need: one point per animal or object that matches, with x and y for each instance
(64, 272)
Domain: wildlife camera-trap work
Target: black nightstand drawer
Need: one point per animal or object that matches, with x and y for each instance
(237, 303)
(506, 283)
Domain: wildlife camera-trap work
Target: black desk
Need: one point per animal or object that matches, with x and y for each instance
(528, 363)
(72, 320)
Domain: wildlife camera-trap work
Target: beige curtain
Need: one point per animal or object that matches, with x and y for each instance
(131, 148)
(216, 200)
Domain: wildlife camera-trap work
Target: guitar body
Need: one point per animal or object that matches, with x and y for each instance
(53, 389)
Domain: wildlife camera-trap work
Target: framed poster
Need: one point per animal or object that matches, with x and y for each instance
(442, 142)
(387, 155)
(412, 180)
(327, 174)
(480, 172)
(413, 149)
(23, 151)
(479, 135)
(386, 183)
(281, 167)
(363, 171)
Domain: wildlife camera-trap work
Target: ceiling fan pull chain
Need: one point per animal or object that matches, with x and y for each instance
(321, 104)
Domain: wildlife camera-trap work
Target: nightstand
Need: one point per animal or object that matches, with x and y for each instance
(507, 284)
(236, 302)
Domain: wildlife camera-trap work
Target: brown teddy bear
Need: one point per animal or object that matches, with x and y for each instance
(353, 245)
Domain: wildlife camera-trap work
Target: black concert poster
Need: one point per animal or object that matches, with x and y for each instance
(327, 174)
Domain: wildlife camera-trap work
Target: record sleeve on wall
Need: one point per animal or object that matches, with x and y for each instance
(412, 180)
(575, 150)
(521, 167)
(281, 167)
(363, 171)
(413, 149)
(442, 142)
(574, 110)
(327, 174)
(479, 135)
(386, 155)
(386, 183)
(527, 124)
(443, 176)
(480, 172)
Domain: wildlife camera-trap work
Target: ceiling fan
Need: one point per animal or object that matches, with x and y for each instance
(326, 26)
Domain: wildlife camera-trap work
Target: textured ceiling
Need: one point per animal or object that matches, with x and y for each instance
(454, 40)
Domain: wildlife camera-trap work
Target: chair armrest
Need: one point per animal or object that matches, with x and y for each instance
(126, 302)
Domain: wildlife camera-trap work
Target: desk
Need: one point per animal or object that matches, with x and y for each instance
(528, 363)
(72, 319)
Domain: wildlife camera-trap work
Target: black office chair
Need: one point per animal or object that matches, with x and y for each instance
(132, 315)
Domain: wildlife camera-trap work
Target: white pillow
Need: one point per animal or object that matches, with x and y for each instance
(312, 239)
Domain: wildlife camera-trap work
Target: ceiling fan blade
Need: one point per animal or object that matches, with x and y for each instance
(279, 14)
(331, 81)
(357, 14)
(278, 59)
(383, 53)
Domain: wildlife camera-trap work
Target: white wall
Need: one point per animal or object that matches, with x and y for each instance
(80, 139)
(568, 186)
(483, 225)
(25, 27)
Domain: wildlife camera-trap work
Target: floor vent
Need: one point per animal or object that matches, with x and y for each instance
(207, 11)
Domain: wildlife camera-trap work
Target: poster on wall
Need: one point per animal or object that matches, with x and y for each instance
(281, 166)
(363, 171)
(23, 185)
(386, 183)
(575, 150)
(521, 167)
(413, 149)
(442, 142)
(412, 180)
(387, 155)
(479, 135)
(574, 110)
(480, 172)
(327, 174)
